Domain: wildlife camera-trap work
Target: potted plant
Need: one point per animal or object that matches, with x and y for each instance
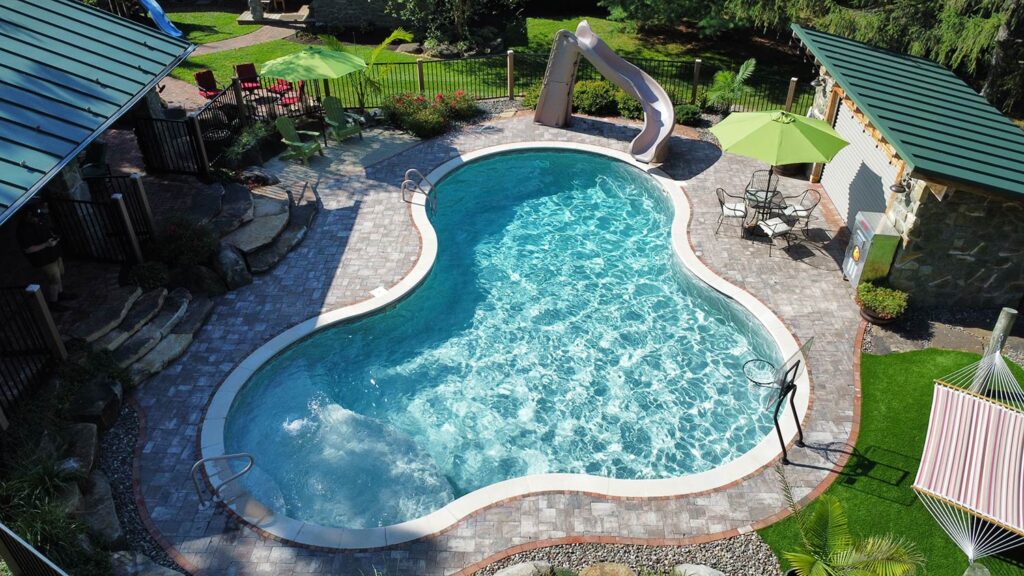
(880, 304)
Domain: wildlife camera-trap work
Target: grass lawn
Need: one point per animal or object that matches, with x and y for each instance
(206, 27)
(876, 487)
(222, 63)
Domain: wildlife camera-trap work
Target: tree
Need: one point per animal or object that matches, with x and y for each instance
(727, 86)
(368, 80)
(471, 24)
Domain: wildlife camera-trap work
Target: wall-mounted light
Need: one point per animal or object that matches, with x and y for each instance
(898, 188)
(817, 82)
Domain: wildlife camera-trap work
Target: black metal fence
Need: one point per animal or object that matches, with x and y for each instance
(169, 145)
(22, 558)
(24, 355)
(91, 229)
(104, 188)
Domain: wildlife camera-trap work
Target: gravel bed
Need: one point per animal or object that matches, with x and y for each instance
(915, 326)
(745, 555)
(117, 450)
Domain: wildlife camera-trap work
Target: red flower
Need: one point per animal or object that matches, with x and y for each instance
(459, 93)
(439, 97)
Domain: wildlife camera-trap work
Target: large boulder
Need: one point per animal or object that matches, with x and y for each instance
(137, 564)
(695, 570)
(97, 401)
(230, 265)
(201, 280)
(256, 176)
(527, 569)
(83, 440)
(98, 512)
(69, 497)
(607, 569)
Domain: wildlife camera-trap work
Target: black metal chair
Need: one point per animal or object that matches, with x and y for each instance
(776, 228)
(801, 206)
(732, 207)
(763, 180)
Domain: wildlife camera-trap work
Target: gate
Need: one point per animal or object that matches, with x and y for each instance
(95, 230)
(104, 188)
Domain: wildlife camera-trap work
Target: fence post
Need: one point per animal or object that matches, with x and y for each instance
(696, 81)
(202, 160)
(147, 212)
(511, 69)
(790, 94)
(243, 111)
(41, 314)
(419, 76)
(133, 240)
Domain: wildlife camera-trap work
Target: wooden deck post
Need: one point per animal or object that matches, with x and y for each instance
(696, 81)
(511, 73)
(147, 212)
(790, 95)
(419, 76)
(133, 240)
(202, 160)
(41, 314)
(830, 116)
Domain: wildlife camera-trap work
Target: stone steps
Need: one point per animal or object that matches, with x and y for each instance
(143, 310)
(236, 209)
(148, 336)
(175, 343)
(267, 257)
(107, 316)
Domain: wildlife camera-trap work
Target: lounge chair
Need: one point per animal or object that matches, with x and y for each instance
(207, 84)
(801, 206)
(340, 124)
(732, 207)
(297, 148)
(247, 76)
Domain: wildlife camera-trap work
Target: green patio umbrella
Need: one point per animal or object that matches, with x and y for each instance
(778, 137)
(313, 63)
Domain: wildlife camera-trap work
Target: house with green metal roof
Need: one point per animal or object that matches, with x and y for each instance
(944, 166)
(67, 73)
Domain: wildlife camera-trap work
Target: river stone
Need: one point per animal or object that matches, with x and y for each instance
(230, 264)
(266, 258)
(527, 569)
(258, 233)
(607, 569)
(695, 570)
(98, 512)
(137, 564)
(235, 210)
(106, 316)
(97, 401)
(83, 438)
(141, 312)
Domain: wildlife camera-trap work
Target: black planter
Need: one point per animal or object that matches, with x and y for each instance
(875, 318)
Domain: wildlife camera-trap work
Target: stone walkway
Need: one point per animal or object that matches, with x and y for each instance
(264, 34)
(365, 239)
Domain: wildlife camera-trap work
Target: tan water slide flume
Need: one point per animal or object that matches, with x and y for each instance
(554, 107)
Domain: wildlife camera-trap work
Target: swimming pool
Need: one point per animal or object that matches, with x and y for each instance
(557, 332)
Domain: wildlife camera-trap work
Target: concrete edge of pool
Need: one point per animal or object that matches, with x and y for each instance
(251, 511)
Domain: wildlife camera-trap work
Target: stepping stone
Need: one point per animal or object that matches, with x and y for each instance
(141, 312)
(607, 569)
(267, 206)
(264, 259)
(173, 345)
(258, 233)
(235, 210)
(150, 335)
(695, 570)
(108, 315)
(206, 203)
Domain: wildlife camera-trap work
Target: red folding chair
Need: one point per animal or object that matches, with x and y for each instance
(281, 87)
(207, 84)
(247, 76)
(293, 100)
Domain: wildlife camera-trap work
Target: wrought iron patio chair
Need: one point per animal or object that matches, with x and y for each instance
(341, 125)
(763, 180)
(731, 207)
(297, 147)
(801, 206)
(775, 228)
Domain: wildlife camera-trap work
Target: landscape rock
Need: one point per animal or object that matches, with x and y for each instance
(206, 203)
(268, 206)
(527, 569)
(173, 345)
(236, 209)
(410, 48)
(71, 467)
(137, 564)
(83, 440)
(96, 401)
(230, 265)
(264, 259)
(150, 335)
(695, 570)
(69, 497)
(201, 280)
(256, 176)
(258, 233)
(106, 316)
(607, 569)
(98, 512)
(144, 308)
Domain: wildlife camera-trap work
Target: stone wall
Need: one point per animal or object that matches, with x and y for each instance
(352, 14)
(960, 248)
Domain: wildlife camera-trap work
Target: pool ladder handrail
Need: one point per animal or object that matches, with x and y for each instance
(412, 184)
(215, 497)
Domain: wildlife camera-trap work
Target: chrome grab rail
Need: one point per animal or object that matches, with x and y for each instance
(412, 184)
(215, 491)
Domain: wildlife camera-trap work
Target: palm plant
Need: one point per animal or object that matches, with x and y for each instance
(831, 550)
(727, 86)
(368, 81)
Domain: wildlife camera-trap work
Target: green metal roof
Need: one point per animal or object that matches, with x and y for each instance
(937, 124)
(67, 71)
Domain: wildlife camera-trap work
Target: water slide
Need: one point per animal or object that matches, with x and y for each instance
(160, 18)
(554, 106)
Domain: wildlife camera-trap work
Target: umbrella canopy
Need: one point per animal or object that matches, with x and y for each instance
(778, 137)
(313, 63)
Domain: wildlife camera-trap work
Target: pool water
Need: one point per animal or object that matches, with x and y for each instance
(557, 332)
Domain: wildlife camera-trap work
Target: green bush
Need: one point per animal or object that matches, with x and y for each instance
(248, 140)
(429, 117)
(628, 106)
(884, 302)
(151, 274)
(458, 105)
(185, 243)
(595, 97)
(531, 95)
(687, 114)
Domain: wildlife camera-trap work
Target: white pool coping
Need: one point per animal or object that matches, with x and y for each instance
(308, 534)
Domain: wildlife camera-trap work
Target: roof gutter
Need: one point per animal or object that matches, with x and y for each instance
(11, 210)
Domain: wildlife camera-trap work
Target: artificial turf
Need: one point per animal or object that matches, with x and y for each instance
(875, 486)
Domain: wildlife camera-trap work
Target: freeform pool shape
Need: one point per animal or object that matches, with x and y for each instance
(557, 332)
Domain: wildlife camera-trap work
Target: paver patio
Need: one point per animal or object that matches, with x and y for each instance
(364, 239)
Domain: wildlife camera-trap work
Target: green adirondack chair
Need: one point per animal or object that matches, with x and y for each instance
(340, 124)
(297, 148)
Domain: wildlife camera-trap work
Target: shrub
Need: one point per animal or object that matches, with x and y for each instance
(531, 95)
(248, 139)
(628, 106)
(185, 243)
(687, 114)
(595, 97)
(150, 275)
(884, 302)
(458, 105)
(429, 117)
